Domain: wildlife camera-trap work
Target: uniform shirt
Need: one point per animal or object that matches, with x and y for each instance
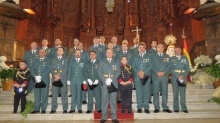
(29, 57)
(42, 68)
(100, 50)
(127, 74)
(179, 67)
(22, 76)
(90, 70)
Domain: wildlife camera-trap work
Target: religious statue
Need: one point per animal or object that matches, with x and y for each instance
(85, 18)
(170, 40)
(3, 59)
(110, 4)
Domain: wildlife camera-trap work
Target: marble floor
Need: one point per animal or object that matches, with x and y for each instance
(137, 121)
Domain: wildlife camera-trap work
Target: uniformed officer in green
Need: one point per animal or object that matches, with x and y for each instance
(134, 48)
(85, 57)
(179, 70)
(45, 47)
(102, 42)
(90, 73)
(75, 79)
(142, 68)
(117, 48)
(100, 50)
(126, 52)
(108, 72)
(75, 47)
(58, 69)
(41, 70)
(152, 52)
(53, 50)
(161, 69)
(115, 54)
(29, 57)
(53, 54)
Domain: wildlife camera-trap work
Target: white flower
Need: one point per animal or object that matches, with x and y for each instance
(202, 79)
(217, 92)
(203, 59)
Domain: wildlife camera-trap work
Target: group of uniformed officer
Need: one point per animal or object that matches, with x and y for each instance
(97, 71)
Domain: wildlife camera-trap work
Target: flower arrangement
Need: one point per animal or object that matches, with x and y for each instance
(203, 79)
(193, 69)
(216, 96)
(29, 105)
(203, 60)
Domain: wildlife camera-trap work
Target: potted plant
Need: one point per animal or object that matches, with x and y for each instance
(214, 71)
(6, 76)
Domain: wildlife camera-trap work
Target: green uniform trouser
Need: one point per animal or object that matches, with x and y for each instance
(84, 95)
(31, 84)
(76, 98)
(176, 90)
(162, 85)
(106, 98)
(96, 92)
(64, 97)
(41, 98)
(142, 93)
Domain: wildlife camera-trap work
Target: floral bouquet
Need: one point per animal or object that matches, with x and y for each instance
(216, 96)
(203, 61)
(203, 79)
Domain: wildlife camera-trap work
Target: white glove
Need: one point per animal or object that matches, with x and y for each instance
(38, 79)
(96, 82)
(84, 82)
(181, 80)
(89, 81)
(68, 83)
(108, 81)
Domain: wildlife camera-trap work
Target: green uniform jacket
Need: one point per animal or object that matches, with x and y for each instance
(100, 50)
(179, 67)
(161, 64)
(30, 58)
(90, 70)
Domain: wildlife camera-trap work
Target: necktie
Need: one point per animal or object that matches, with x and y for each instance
(59, 58)
(41, 59)
(109, 60)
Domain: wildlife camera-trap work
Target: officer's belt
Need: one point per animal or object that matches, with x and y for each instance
(58, 71)
(108, 76)
(179, 71)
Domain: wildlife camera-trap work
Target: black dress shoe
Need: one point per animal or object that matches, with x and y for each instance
(185, 111)
(115, 121)
(99, 111)
(80, 111)
(150, 102)
(84, 102)
(59, 95)
(14, 112)
(65, 111)
(160, 94)
(119, 101)
(167, 110)
(134, 89)
(156, 111)
(52, 112)
(139, 111)
(70, 95)
(88, 111)
(102, 121)
(34, 112)
(43, 112)
(176, 111)
(50, 95)
(147, 111)
(71, 111)
(129, 111)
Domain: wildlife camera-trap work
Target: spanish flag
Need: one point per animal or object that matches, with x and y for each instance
(186, 51)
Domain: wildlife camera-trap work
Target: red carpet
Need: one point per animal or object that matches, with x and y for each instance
(121, 117)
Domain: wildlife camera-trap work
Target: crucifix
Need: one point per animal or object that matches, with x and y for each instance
(137, 30)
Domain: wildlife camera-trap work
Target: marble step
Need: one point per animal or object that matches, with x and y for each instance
(5, 116)
(191, 106)
(189, 98)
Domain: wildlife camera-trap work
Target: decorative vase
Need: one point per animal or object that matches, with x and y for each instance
(216, 84)
(7, 85)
